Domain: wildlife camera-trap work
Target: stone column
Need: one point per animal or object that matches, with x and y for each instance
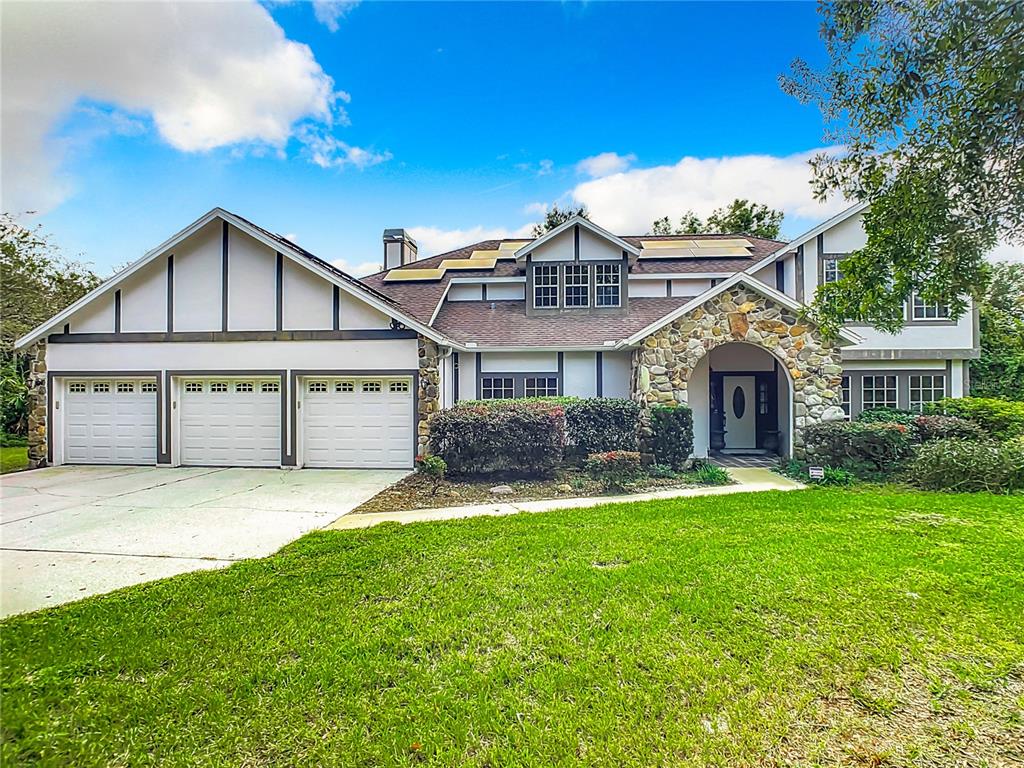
(429, 392)
(37, 406)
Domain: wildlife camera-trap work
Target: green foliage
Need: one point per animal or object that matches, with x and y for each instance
(507, 435)
(864, 448)
(709, 474)
(14, 393)
(739, 217)
(924, 99)
(616, 470)
(433, 468)
(833, 476)
(999, 372)
(661, 471)
(1001, 419)
(937, 427)
(8, 440)
(557, 216)
(598, 424)
(672, 434)
(968, 466)
(889, 415)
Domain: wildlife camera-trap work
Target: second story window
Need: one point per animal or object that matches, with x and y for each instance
(606, 284)
(577, 285)
(830, 271)
(545, 285)
(923, 310)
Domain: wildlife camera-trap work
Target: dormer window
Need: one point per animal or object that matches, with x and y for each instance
(577, 285)
(545, 286)
(607, 281)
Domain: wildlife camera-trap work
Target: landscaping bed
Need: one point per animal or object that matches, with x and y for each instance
(417, 492)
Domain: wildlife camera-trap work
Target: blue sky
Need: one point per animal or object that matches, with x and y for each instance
(454, 120)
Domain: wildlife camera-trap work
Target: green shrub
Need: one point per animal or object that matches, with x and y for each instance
(887, 416)
(508, 435)
(662, 471)
(968, 465)
(672, 434)
(939, 427)
(864, 448)
(1001, 419)
(433, 468)
(709, 474)
(616, 470)
(7, 440)
(834, 476)
(598, 424)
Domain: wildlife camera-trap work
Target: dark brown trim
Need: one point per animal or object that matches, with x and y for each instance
(798, 274)
(780, 276)
(483, 291)
(117, 311)
(576, 242)
(224, 278)
(279, 292)
(305, 372)
(479, 357)
(170, 294)
(455, 377)
(218, 336)
(64, 374)
(599, 365)
(336, 321)
(668, 288)
(561, 373)
(67, 327)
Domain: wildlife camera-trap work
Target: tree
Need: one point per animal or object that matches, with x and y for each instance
(743, 216)
(557, 216)
(740, 216)
(999, 372)
(37, 283)
(925, 101)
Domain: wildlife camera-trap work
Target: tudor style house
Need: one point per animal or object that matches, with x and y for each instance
(229, 345)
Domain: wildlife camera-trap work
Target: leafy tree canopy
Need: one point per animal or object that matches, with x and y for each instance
(740, 216)
(1000, 370)
(557, 216)
(925, 100)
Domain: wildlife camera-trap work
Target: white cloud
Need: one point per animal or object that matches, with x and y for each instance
(629, 201)
(433, 240)
(604, 164)
(535, 209)
(545, 167)
(330, 12)
(172, 65)
(328, 151)
(361, 269)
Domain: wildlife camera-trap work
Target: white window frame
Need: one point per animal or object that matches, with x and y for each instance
(830, 271)
(607, 276)
(576, 276)
(917, 403)
(545, 278)
(924, 310)
(488, 388)
(541, 386)
(847, 393)
(874, 389)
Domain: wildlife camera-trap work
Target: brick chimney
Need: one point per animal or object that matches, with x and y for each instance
(399, 248)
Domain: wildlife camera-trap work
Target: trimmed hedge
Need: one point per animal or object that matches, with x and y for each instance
(1001, 419)
(887, 416)
(598, 424)
(502, 435)
(616, 470)
(672, 434)
(864, 448)
(968, 465)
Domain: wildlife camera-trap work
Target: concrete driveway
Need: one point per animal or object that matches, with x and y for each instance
(70, 532)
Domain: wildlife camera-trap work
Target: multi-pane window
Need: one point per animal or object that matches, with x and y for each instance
(317, 386)
(398, 386)
(149, 386)
(270, 386)
(496, 388)
(545, 285)
(879, 392)
(924, 310)
(846, 396)
(100, 386)
(193, 386)
(218, 386)
(371, 386)
(830, 271)
(541, 386)
(577, 285)
(344, 386)
(125, 387)
(243, 386)
(926, 388)
(606, 282)
(77, 386)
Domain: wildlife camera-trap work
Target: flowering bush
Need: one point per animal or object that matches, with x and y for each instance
(508, 435)
(616, 470)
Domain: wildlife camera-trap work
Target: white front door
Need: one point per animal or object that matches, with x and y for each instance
(109, 421)
(230, 422)
(357, 422)
(740, 412)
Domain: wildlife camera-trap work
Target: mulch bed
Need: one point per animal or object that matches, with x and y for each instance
(416, 492)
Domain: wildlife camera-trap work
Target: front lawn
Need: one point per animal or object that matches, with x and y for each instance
(798, 628)
(13, 459)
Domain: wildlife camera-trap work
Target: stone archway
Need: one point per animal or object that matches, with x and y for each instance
(663, 363)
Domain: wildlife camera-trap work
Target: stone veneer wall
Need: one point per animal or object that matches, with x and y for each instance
(37, 407)
(428, 394)
(663, 363)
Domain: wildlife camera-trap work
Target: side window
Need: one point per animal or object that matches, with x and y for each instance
(577, 285)
(830, 271)
(846, 396)
(545, 285)
(606, 283)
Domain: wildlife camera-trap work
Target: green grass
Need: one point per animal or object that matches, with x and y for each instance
(800, 628)
(13, 459)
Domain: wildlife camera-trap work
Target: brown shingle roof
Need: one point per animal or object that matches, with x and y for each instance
(505, 323)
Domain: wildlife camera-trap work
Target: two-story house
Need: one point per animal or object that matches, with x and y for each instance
(229, 345)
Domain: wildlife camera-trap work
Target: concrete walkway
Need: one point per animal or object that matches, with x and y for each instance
(747, 480)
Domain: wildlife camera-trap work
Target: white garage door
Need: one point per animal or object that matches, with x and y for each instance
(110, 421)
(230, 422)
(358, 422)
